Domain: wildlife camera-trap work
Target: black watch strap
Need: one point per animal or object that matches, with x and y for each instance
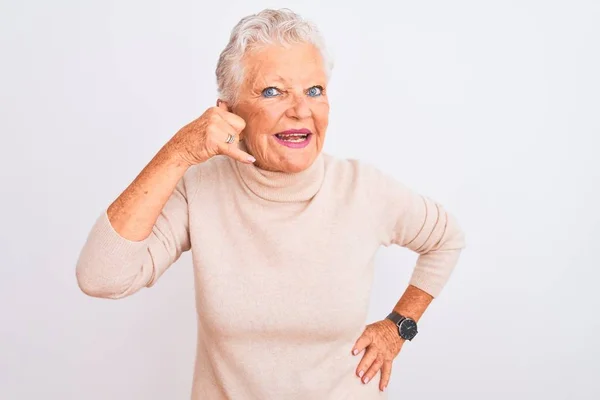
(395, 317)
(407, 327)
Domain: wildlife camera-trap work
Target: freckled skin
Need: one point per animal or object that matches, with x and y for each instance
(293, 70)
(380, 341)
(256, 118)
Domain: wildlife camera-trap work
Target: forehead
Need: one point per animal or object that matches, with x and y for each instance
(294, 63)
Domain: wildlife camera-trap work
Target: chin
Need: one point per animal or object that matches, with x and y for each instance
(292, 168)
(290, 160)
(298, 162)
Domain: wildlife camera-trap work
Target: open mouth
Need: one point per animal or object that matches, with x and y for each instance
(293, 137)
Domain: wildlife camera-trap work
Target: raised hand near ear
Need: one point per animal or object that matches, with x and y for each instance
(215, 132)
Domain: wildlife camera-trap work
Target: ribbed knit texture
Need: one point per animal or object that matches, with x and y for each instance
(283, 265)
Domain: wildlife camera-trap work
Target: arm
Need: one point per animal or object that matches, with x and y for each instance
(413, 221)
(146, 228)
(413, 303)
(425, 227)
(140, 235)
(135, 211)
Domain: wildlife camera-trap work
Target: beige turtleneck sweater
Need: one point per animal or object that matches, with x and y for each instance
(283, 266)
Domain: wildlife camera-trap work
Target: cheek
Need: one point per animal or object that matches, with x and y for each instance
(262, 120)
(254, 121)
(321, 115)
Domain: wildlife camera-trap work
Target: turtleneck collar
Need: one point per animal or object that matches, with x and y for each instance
(282, 186)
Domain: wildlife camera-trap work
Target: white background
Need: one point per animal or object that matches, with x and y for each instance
(489, 107)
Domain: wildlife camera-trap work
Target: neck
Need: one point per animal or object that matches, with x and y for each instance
(283, 186)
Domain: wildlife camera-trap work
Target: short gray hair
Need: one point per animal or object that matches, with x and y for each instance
(269, 26)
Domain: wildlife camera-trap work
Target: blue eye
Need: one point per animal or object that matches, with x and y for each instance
(315, 91)
(270, 92)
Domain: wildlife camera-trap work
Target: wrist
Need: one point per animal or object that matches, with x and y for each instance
(408, 313)
(392, 327)
(406, 327)
(172, 156)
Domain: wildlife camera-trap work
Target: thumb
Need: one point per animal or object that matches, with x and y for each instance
(223, 105)
(362, 343)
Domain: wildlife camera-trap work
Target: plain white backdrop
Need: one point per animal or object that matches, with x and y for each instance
(489, 107)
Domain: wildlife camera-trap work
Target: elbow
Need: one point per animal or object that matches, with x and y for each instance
(444, 237)
(453, 236)
(460, 237)
(110, 266)
(91, 288)
(457, 241)
(95, 282)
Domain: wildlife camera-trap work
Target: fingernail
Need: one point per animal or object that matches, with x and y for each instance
(366, 380)
(251, 159)
(383, 388)
(355, 351)
(360, 374)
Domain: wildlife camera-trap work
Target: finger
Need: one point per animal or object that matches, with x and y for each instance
(376, 366)
(223, 105)
(366, 362)
(232, 119)
(235, 121)
(239, 155)
(386, 372)
(361, 344)
(219, 132)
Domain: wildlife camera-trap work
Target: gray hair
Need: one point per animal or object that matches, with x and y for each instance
(267, 27)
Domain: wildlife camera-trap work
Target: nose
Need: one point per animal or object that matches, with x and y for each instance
(300, 108)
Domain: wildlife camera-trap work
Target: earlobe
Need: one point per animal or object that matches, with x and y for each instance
(223, 105)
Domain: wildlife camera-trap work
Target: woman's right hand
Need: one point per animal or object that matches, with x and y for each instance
(206, 137)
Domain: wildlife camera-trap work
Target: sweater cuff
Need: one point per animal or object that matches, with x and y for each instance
(113, 245)
(430, 284)
(433, 270)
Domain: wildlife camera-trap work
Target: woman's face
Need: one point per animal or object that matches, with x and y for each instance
(284, 103)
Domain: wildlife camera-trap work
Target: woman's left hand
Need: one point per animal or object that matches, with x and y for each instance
(382, 343)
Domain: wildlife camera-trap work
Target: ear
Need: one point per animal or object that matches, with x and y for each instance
(223, 105)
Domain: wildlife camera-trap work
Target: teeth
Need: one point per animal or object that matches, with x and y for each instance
(293, 137)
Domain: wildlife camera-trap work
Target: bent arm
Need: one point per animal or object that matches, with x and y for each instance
(430, 230)
(140, 235)
(134, 212)
(427, 228)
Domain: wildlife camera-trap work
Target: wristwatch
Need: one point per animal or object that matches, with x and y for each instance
(407, 327)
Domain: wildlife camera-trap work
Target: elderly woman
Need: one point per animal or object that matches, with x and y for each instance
(283, 236)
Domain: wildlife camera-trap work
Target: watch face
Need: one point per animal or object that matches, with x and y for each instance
(408, 329)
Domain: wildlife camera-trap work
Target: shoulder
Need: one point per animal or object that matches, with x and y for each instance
(355, 174)
(369, 191)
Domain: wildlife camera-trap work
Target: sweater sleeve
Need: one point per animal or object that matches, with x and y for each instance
(424, 226)
(111, 266)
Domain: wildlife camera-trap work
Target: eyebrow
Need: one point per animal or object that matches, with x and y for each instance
(278, 77)
(273, 82)
(273, 79)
